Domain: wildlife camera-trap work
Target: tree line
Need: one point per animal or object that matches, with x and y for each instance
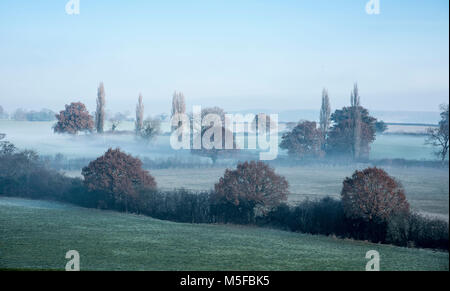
(21, 114)
(75, 118)
(349, 132)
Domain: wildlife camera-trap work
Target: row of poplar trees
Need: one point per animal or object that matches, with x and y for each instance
(178, 106)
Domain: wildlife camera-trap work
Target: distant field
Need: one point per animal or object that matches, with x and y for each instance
(36, 235)
(407, 128)
(399, 146)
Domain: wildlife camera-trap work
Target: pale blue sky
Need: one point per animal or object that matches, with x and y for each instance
(237, 54)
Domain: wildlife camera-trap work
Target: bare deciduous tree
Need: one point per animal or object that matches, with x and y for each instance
(100, 113)
(150, 129)
(438, 137)
(115, 124)
(178, 103)
(214, 152)
(117, 119)
(139, 115)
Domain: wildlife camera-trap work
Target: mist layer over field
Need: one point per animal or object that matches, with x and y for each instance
(39, 136)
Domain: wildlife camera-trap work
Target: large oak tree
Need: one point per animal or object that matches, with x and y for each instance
(117, 177)
(251, 185)
(373, 196)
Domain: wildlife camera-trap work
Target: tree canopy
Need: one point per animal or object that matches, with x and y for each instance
(73, 119)
(117, 177)
(304, 141)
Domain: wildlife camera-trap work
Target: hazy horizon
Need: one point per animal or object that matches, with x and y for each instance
(239, 55)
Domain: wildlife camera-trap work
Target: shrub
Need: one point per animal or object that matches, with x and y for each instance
(178, 205)
(280, 217)
(22, 174)
(416, 230)
(323, 216)
(326, 217)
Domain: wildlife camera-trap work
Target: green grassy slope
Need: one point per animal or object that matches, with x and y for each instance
(37, 234)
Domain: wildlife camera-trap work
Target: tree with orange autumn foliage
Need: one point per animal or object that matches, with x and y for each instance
(373, 196)
(73, 119)
(252, 185)
(117, 177)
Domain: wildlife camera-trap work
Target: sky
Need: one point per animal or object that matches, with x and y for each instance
(236, 54)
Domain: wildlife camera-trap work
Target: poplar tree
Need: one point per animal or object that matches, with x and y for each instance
(139, 115)
(325, 114)
(100, 113)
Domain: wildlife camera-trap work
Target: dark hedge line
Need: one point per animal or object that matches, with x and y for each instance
(326, 216)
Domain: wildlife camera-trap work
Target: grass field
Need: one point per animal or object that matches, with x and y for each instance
(37, 235)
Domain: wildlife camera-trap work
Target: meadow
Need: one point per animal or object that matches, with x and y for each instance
(35, 235)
